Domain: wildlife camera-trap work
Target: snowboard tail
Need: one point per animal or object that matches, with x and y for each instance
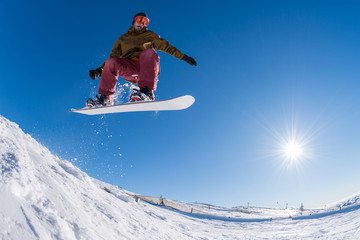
(178, 103)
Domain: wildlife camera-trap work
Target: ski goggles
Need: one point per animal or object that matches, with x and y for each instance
(142, 20)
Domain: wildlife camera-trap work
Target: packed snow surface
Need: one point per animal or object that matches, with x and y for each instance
(44, 197)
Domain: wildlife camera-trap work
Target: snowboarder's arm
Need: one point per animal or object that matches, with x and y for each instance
(115, 52)
(164, 46)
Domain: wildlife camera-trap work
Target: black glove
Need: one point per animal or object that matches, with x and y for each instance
(94, 74)
(189, 60)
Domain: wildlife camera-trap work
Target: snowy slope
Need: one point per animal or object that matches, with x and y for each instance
(44, 197)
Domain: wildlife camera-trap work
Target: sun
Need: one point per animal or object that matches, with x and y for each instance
(290, 142)
(292, 147)
(293, 151)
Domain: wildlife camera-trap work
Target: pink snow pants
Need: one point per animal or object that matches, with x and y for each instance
(143, 72)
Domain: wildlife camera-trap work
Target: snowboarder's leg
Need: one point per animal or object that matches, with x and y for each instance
(113, 68)
(149, 69)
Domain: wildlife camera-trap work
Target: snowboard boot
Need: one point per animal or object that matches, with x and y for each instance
(101, 101)
(144, 94)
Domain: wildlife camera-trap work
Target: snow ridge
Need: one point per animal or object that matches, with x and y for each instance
(42, 196)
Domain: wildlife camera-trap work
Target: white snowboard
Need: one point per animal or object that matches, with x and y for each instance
(178, 103)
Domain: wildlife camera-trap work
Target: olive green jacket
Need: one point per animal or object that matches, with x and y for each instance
(132, 43)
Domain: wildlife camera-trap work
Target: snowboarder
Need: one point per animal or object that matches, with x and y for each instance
(134, 58)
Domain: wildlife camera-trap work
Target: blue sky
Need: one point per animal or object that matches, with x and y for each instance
(269, 71)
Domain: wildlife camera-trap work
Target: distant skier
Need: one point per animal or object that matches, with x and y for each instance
(134, 58)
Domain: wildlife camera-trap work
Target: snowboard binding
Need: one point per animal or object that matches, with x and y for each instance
(101, 101)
